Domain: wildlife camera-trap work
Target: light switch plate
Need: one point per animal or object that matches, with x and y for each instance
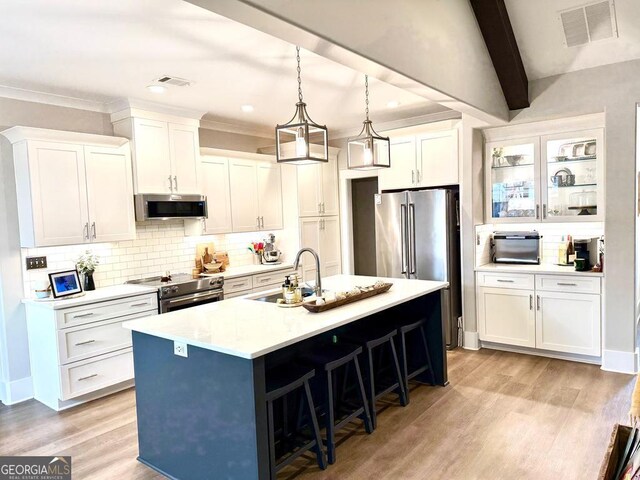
(34, 263)
(180, 349)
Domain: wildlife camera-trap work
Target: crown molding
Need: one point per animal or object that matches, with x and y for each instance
(242, 129)
(132, 107)
(52, 99)
(19, 134)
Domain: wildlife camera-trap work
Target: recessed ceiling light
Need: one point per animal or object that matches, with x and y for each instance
(156, 88)
(247, 108)
(393, 104)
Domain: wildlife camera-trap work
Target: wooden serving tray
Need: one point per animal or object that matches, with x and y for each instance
(313, 308)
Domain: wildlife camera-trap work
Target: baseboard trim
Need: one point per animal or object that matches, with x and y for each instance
(572, 357)
(620, 362)
(16, 391)
(471, 341)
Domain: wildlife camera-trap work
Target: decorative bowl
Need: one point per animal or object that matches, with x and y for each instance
(513, 160)
(42, 293)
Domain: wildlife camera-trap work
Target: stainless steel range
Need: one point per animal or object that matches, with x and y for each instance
(182, 290)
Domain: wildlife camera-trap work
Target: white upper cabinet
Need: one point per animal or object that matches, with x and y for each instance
(214, 173)
(71, 188)
(166, 151)
(243, 183)
(428, 159)
(269, 185)
(318, 188)
(323, 235)
(555, 177)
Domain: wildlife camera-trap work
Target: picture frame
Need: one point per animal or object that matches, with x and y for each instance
(66, 283)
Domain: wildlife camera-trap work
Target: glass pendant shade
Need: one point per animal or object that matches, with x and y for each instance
(368, 150)
(301, 140)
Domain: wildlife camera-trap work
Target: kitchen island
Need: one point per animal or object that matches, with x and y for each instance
(204, 415)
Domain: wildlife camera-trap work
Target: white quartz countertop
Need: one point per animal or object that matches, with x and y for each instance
(249, 329)
(98, 295)
(542, 268)
(246, 270)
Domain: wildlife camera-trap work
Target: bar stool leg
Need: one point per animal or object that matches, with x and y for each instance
(372, 388)
(368, 424)
(426, 352)
(405, 368)
(403, 394)
(331, 441)
(272, 441)
(322, 462)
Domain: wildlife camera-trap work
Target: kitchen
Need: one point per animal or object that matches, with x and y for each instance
(162, 144)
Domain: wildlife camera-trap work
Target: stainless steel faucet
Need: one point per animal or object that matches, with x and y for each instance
(318, 288)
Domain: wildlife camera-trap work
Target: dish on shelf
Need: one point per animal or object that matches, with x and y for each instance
(513, 160)
(584, 199)
(560, 158)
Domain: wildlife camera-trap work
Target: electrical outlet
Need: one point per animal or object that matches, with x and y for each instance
(180, 349)
(34, 263)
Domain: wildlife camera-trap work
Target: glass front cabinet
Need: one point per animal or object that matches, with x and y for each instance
(549, 178)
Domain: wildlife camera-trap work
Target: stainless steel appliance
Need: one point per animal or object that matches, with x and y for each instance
(165, 206)
(418, 236)
(183, 290)
(270, 253)
(516, 247)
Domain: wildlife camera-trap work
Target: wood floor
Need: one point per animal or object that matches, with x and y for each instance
(504, 415)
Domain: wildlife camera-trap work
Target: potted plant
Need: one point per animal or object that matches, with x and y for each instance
(86, 265)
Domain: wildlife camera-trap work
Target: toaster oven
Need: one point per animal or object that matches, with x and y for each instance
(516, 247)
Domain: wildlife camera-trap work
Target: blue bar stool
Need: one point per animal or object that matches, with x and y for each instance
(333, 358)
(376, 341)
(412, 340)
(281, 382)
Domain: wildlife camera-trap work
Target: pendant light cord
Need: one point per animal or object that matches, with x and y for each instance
(299, 79)
(366, 95)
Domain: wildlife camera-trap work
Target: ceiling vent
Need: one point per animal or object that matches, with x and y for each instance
(589, 23)
(178, 82)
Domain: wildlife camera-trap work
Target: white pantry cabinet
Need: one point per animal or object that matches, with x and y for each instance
(542, 311)
(72, 188)
(166, 151)
(323, 235)
(318, 188)
(425, 160)
(256, 195)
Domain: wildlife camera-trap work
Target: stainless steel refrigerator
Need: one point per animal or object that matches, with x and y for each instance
(418, 236)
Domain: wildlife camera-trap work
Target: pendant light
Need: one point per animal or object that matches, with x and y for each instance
(301, 141)
(368, 150)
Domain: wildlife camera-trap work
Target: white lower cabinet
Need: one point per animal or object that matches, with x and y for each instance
(555, 315)
(83, 352)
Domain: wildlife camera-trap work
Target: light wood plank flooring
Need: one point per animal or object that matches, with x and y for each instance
(504, 415)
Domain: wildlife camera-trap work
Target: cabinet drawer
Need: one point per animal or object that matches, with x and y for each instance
(90, 340)
(238, 285)
(506, 280)
(568, 283)
(95, 373)
(70, 317)
(271, 279)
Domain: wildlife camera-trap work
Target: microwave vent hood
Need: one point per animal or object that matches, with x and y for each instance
(168, 206)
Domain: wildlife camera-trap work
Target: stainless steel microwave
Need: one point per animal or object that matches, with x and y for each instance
(516, 247)
(151, 206)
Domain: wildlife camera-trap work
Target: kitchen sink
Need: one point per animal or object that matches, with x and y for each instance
(273, 297)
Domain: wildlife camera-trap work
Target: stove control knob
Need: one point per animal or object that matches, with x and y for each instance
(174, 289)
(165, 290)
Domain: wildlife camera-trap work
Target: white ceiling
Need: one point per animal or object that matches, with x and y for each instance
(102, 51)
(540, 38)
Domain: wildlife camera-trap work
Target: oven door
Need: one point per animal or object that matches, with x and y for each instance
(187, 301)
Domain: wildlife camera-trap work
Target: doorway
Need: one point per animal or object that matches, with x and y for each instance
(364, 231)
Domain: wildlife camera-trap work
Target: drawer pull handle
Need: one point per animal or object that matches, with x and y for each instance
(265, 280)
(505, 281)
(83, 315)
(236, 285)
(568, 284)
(142, 304)
(87, 377)
(85, 343)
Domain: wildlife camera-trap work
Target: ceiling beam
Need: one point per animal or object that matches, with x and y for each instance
(496, 29)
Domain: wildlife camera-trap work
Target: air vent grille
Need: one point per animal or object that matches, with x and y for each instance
(589, 23)
(178, 82)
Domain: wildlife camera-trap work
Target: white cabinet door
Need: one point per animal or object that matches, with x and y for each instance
(214, 176)
(329, 185)
(269, 195)
(243, 184)
(402, 173)
(110, 194)
(152, 168)
(58, 194)
(506, 316)
(309, 190)
(310, 238)
(185, 151)
(568, 322)
(437, 159)
(330, 256)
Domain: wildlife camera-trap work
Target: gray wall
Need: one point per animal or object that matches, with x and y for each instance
(364, 232)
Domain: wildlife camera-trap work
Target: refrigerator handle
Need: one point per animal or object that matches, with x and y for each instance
(412, 238)
(403, 238)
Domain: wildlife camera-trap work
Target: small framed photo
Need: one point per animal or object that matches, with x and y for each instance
(64, 284)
